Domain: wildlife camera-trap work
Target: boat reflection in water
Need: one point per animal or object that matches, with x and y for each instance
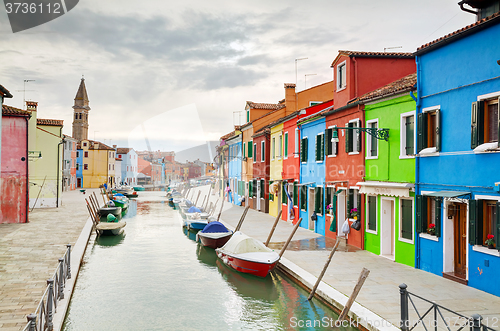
(110, 241)
(189, 233)
(206, 256)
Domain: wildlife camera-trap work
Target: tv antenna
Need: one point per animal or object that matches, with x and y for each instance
(385, 48)
(24, 91)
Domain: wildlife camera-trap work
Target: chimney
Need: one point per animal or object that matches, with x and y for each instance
(290, 98)
(31, 105)
(114, 146)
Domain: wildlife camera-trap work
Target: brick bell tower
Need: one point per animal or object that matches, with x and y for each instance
(81, 113)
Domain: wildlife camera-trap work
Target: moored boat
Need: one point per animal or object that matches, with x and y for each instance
(248, 255)
(214, 235)
(121, 202)
(104, 211)
(195, 224)
(110, 228)
(139, 188)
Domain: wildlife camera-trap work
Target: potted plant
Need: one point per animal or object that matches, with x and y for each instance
(354, 213)
(490, 241)
(329, 209)
(431, 229)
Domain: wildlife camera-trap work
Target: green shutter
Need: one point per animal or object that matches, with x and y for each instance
(359, 206)
(421, 211)
(328, 141)
(421, 132)
(406, 217)
(437, 220)
(317, 200)
(359, 136)
(262, 187)
(295, 193)
(477, 124)
(283, 194)
(328, 199)
(350, 201)
(286, 144)
(303, 197)
(250, 154)
(372, 212)
(348, 135)
(322, 149)
(321, 201)
(306, 148)
(497, 226)
(473, 221)
(255, 188)
(498, 110)
(438, 130)
(317, 147)
(303, 157)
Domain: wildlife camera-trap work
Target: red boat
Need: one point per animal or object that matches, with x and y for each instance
(248, 255)
(214, 235)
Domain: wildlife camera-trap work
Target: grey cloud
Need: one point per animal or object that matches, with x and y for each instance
(261, 59)
(222, 76)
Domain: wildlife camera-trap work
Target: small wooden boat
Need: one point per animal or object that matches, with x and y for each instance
(214, 235)
(120, 202)
(104, 211)
(248, 255)
(130, 196)
(139, 188)
(124, 189)
(110, 228)
(195, 224)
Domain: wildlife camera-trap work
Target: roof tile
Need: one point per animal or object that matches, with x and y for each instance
(12, 111)
(50, 122)
(402, 84)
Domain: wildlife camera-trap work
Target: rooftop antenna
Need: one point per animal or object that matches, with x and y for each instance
(392, 47)
(296, 60)
(305, 77)
(24, 91)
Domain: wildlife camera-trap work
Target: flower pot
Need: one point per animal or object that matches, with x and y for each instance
(355, 217)
(491, 246)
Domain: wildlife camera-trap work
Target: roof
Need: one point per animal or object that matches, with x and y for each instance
(11, 111)
(100, 147)
(49, 122)
(401, 85)
(81, 94)
(270, 106)
(5, 92)
(227, 136)
(264, 130)
(465, 31)
(372, 54)
(123, 150)
(289, 85)
(283, 119)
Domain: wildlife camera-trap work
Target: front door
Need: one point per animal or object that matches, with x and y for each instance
(257, 198)
(340, 212)
(460, 240)
(387, 229)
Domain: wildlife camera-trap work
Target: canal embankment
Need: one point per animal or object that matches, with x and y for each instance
(379, 299)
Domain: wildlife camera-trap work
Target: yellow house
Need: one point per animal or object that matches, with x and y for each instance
(98, 163)
(276, 168)
(45, 154)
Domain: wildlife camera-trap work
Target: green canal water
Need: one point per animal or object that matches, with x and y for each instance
(156, 277)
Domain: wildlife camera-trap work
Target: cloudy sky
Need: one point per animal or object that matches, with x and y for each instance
(178, 73)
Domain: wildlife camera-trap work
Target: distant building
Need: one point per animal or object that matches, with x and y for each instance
(98, 163)
(69, 163)
(129, 166)
(81, 113)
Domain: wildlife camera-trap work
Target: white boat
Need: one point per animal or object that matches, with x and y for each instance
(110, 228)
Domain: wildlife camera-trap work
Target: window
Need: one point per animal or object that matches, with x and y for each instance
(109, 166)
(313, 103)
(85, 167)
(263, 151)
(303, 150)
(255, 149)
(119, 156)
(250, 189)
(76, 116)
(341, 76)
(353, 201)
(406, 220)
(331, 147)
(286, 145)
(77, 154)
(249, 149)
(353, 137)
(85, 154)
(271, 196)
(244, 150)
(428, 212)
(285, 187)
(320, 146)
(485, 122)
(371, 214)
(371, 141)
(297, 137)
(318, 200)
(262, 186)
(429, 130)
(295, 193)
(484, 219)
(77, 166)
(273, 148)
(85, 144)
(303, 197)
(280, 148)
(407, 136)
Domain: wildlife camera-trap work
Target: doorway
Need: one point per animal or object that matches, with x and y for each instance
(387, 234)
(257, 198)
(78, 182)
(340, 212)
(460, 240)
(310, 209)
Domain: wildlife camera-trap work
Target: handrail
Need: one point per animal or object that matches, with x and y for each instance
(54, 292)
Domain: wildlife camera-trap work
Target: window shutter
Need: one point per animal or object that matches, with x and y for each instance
(306, 147)
(316, 150)
(372, 212)
(317, 200)
(295, 193)
(283, 193)
(498, 125)
(437, 219)
(473, 221)
(347, 138)
(359, 206)
(322, 149)
(335, 145)
(286, 144)
(421, 132)
(477, 124)
(406, 211)
(255, 188)
(421, 207)
(359, 136)
(497, 228)
(328, 142)
(250, 154)
(262, 187)
(350, 201)
(438, 130)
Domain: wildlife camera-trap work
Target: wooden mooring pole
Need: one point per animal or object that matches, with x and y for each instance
(361, 280)
(220, 212)
(290, 238)
(240, 223)
(273, 228)
(209, 191)
(324, 269)
(197, 197)
(203, 203)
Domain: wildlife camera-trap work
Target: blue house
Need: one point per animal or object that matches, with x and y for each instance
(458, 160)
(130, 161)
(312, 173)
(79, 167)
(234, 169)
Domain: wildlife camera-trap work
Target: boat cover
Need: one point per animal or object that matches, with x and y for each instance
(119, 195)
(214, 227)
(193, 209)
(241, 243)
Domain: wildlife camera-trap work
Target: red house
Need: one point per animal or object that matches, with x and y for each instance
(261, 166)
(14, 190)
(354, 74)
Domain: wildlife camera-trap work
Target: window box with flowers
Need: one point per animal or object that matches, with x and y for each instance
(490, 241)
(431, 229)
(354, 213)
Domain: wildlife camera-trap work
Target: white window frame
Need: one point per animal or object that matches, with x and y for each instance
(254, 156)
(285, 138)
(280, 147)
(367, 213)
(402, 134)
(368, 139)
(297, 142)
(429, 151)
(337, 70)
(263, 151)
(330, 142)
(307, 158)
(314, 103)
(412, 220)
(273, 148)
(354, 136)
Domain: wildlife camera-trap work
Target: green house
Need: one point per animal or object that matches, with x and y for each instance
(390, 171)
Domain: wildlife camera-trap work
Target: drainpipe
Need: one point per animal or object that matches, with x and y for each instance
(27, 171)
(355, 76)
(417, 159)
(58, 155)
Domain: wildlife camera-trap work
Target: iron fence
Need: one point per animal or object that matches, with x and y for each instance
(432, 316)
(42, 318)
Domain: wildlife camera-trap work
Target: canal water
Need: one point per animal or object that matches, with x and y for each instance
(156, 277)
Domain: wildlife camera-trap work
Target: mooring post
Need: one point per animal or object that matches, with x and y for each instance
(32, 322)
(240, 223)
(361, 280)
(404, 307)
(290, 238)
(68, 260)
(476, 322)
(273, 228)
(209, 191)
(324, 268)
(203, 203)
(220, 212)
(197, 197)
(50, 306)
(61, 279)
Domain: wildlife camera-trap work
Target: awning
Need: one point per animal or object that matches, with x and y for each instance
(448, 194)
(401, 190)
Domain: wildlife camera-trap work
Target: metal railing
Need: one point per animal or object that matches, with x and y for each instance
(41, 319)
(435, 316)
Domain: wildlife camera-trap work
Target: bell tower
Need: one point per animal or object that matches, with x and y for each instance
(81, 113)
